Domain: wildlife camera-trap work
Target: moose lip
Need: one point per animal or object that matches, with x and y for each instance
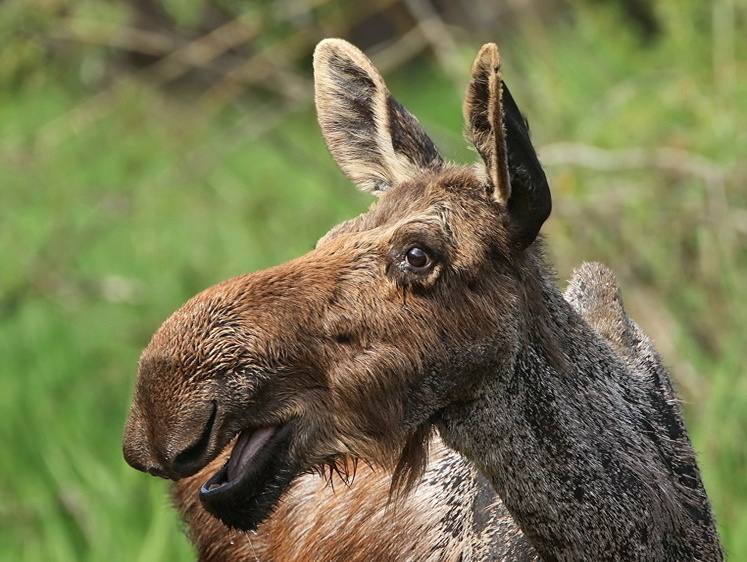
(246, 489)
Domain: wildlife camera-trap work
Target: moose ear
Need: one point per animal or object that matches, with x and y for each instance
(373, 139)
(500, 134)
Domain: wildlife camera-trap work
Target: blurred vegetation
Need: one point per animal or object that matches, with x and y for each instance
(149, 150)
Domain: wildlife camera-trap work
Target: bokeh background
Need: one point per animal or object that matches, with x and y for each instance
(149, 149)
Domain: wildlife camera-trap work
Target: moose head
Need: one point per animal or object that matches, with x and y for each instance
(352, 350)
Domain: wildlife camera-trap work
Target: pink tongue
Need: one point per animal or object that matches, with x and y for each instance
(247, 445)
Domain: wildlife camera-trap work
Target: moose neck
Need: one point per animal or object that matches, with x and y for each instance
(570, 439)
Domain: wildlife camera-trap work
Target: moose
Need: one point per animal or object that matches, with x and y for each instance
(436, 312)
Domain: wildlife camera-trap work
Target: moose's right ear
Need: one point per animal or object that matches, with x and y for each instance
(499, 132)
(373, 139)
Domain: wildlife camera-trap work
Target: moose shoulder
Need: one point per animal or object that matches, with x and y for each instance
(436, 309)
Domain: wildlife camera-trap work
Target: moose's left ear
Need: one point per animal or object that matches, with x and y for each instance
(375, 140)
(497, 129)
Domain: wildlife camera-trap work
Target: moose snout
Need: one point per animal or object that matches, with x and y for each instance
(169, 452)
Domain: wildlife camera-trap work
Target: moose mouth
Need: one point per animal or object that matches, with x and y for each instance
(244, 492)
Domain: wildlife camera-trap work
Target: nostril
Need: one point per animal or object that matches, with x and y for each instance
(144, 465)
(192, 458)
(153, 471)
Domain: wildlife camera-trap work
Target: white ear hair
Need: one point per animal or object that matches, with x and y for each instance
(483, 112)
(501, 135)
(373, 139)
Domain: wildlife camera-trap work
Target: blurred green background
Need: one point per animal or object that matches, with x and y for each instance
(151, 149)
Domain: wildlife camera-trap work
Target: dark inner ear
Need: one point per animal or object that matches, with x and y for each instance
(355, 110)
(530, 202)
(409, 138)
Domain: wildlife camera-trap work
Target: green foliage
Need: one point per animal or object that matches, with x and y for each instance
(120, 201)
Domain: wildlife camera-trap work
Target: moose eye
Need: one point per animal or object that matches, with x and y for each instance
(417, 258)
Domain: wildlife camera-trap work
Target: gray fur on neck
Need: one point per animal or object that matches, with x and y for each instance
(585, 443)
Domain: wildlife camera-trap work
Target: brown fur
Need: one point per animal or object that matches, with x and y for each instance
(359, 508)
(436, 308)
(326, 518)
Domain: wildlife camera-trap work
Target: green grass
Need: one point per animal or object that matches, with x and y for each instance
(113, 216)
